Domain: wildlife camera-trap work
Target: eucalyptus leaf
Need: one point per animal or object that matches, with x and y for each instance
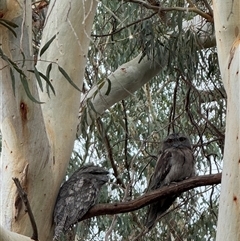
(7, 22)
(27, 90)
(37, 75)
(66, 76)
(9, 28)
(13, 80)
(46, 46)
(109, 87)
(48, 83)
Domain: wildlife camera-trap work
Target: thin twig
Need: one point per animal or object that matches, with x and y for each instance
(109, 151)
(109, 231)
(207, 5)
(180, 9)
(125, 118)
(24, 198)
(124, 27)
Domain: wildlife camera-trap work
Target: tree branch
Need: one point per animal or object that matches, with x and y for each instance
(132, 75)
(146, 199)
(109, 151)
(24, 198)
(182, 9)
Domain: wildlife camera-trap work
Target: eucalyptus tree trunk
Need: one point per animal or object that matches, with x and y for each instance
(227, 25)
(37, 140)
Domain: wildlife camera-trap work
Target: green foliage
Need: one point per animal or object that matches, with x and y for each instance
(67, 77)
(46, 46)
(187, 97)
(18, 73)
(13, 67)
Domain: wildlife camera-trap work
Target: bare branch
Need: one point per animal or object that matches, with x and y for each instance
(109, 152)
(194, 9)
(24, 198)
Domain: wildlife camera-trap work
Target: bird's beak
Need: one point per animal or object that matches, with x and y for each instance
(176, 145)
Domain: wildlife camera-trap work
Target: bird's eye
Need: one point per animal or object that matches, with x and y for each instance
(182, 139)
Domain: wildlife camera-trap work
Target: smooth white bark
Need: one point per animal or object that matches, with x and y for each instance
(23, 133)
(11, 236)
(38, 140)
(128, 78)
(227, 25)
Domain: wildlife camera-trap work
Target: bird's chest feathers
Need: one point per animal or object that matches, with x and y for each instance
(179, 166)
(178, 158)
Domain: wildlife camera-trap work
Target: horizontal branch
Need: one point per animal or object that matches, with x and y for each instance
(194, 9)
(146, 199)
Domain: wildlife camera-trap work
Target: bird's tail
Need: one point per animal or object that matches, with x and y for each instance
(57, 233)
(152, 215)
(157, 210)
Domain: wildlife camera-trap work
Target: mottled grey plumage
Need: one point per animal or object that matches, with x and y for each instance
(76, 196)
(175, 164)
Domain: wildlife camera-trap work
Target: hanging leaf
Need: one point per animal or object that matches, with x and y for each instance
(1, 52)
(45, 47)
(63, 72)
(23, 55)
(48, 83)
(109, 87)
(14, 66)
(48, 77)
(13, 80)
(101, 84)
(91, 106)
(49, 68)
(38, 78)
(9, 25)
(99, 87)
(38, 74)
(26, 88)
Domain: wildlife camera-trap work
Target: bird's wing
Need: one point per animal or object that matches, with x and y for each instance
(172, 166)
(76, 196)
(81, 201)
(161, 170)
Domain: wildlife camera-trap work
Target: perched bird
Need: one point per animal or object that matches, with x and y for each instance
(76, 196)
(175, 164)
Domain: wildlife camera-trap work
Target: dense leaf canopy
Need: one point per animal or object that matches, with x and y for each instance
(187, 96)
